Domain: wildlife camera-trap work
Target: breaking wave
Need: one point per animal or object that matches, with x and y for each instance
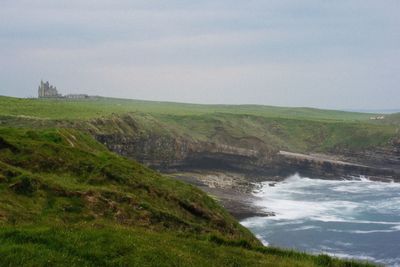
(322, 215)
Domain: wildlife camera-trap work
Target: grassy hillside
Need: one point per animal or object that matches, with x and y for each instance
(393, 119)
(86, 109)
(269, 128)
(51, 171)
(280, 133)
(66, 201)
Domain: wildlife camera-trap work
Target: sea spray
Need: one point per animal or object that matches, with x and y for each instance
(355, 218)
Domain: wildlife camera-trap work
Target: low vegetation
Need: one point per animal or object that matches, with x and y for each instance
(94, 108)
(300, 130)
(65, 200)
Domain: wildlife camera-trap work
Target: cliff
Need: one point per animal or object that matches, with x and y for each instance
(65, 200)
(254, 149)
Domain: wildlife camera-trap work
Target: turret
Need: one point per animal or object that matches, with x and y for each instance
(47, 90)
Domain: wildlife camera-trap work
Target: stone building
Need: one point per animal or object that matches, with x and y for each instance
(76, 96)
(46, 90)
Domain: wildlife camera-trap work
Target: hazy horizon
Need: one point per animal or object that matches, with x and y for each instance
(308, 53)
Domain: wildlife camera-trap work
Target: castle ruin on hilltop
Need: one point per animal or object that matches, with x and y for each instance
(46, 90)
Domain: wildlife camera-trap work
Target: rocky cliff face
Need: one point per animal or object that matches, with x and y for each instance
(166, 150)
(388, 158)
(314, 166)
(169, 153)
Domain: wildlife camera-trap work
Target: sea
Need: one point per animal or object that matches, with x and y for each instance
(355, 218)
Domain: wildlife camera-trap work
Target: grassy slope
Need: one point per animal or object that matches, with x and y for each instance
(393, 118)
(299, 135)
(277, 128)
(66, 170)
(85, 109)
(65, 200)
(132, 247)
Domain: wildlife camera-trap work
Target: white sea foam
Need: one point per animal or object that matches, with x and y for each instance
(343, 244)
(372, 231)
(290, 199)
(364, 222)
(253, 222)
(361, 231)
(364, 186)
(348, 256)
(351, 209)
(263, 241)
(279, 199)
(330, 251)
(303, 228)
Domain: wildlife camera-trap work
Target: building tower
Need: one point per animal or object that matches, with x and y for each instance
(46, 90)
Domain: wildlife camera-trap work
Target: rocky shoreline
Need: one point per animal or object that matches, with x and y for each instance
(232, 190)
(228, 168)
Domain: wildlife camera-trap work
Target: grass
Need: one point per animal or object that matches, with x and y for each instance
(60, 174)
(133, 247)
(281, 133)
(267, 128)
(94, 108)
(393, 119)
(65, 200)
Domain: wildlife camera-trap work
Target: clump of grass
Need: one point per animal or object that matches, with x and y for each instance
(24, 185)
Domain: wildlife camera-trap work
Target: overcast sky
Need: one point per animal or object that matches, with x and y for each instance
(320, 53)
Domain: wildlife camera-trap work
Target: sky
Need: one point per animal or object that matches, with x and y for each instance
(342, 54)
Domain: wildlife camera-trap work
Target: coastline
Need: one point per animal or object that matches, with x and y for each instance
(234, 191)
(354, 215)
(231, 190)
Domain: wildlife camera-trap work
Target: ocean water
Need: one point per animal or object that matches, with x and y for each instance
(348, 219)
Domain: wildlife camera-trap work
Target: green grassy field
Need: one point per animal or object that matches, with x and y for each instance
(86, 109)
(301, 130)
(65, 200)
(301, 135)
(393, 119)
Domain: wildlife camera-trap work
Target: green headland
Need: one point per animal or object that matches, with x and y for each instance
(67, 200)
